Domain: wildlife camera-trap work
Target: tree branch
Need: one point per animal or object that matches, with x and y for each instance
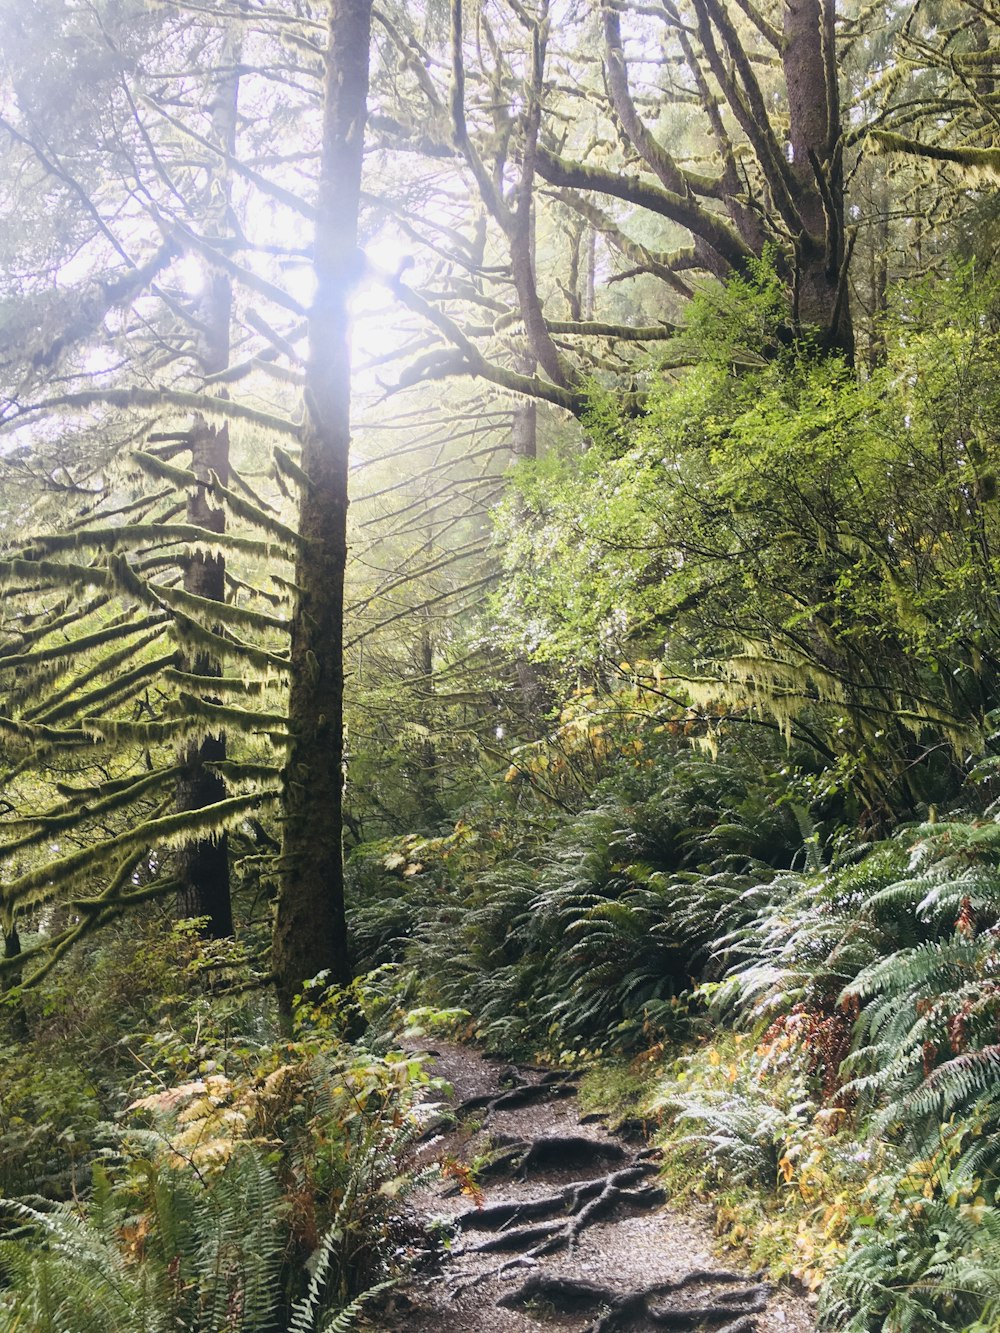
(687, 212)
(160, 398)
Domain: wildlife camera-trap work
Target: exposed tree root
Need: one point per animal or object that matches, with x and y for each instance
(569, 1152)
(552, 1085)
(568, 1295)
(525, 1094)
(729, 1311)
(551, 1152)
(586, 1202)
(559, 1076)
(634, 1129)
(567, 1200)
(610, 1178)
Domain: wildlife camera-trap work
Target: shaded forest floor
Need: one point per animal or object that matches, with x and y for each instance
(563, 1225)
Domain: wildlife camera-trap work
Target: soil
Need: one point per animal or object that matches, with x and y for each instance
(562, 1226)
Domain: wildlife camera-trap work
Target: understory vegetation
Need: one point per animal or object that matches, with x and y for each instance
(779, 896)
(233, 1177)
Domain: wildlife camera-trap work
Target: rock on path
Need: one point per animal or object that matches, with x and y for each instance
(571, 1229)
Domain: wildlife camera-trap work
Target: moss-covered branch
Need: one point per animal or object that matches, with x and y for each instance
(288, 467)
(171, 534)
(980, 161)
(225, 648)
(168, 830)
(224, 612)
(633, 190)
(70, 647)
(226, 717)
(75, 811)
(160, 399)
(115, 688)
(215, 684)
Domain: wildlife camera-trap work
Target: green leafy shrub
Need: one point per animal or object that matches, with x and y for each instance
(807, 549)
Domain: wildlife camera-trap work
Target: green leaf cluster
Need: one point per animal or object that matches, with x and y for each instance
(796, 543)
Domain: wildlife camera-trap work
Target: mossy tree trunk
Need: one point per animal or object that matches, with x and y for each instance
(17, 1018)
(310, 927)
(203, 865)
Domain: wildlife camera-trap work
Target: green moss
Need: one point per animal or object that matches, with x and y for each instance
(617, 1088)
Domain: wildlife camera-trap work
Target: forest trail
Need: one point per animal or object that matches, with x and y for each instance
(571, 1231)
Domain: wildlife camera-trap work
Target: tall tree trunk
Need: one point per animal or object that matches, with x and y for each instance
(428, 792)
(524, 446)
(310, 933)
(203, 866)
(588, 300)
(880, 241)
(524, 418)
(817, 167)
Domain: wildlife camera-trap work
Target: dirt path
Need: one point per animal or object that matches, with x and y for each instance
(571, 1231)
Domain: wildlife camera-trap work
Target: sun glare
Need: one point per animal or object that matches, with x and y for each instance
(99, 360)
(373, 307)
(190, 273)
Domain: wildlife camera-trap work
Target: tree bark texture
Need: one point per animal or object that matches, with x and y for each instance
(817, 168)
(310, 927)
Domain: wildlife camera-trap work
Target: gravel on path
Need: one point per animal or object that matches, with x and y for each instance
(571, 1230)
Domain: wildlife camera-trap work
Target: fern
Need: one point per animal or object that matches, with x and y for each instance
(65, 1275)
(741, 1135)
(936, 1269)
(194, 1254)
(345, 1321)
(967, 1081)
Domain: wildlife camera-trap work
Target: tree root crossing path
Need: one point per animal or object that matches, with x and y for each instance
(566, 1225)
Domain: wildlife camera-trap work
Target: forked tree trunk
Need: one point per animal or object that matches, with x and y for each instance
(310, 928)
(809, 59)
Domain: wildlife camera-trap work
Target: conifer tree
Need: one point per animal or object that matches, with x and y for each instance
(204, 865)
(131, 652)
(310, 926)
